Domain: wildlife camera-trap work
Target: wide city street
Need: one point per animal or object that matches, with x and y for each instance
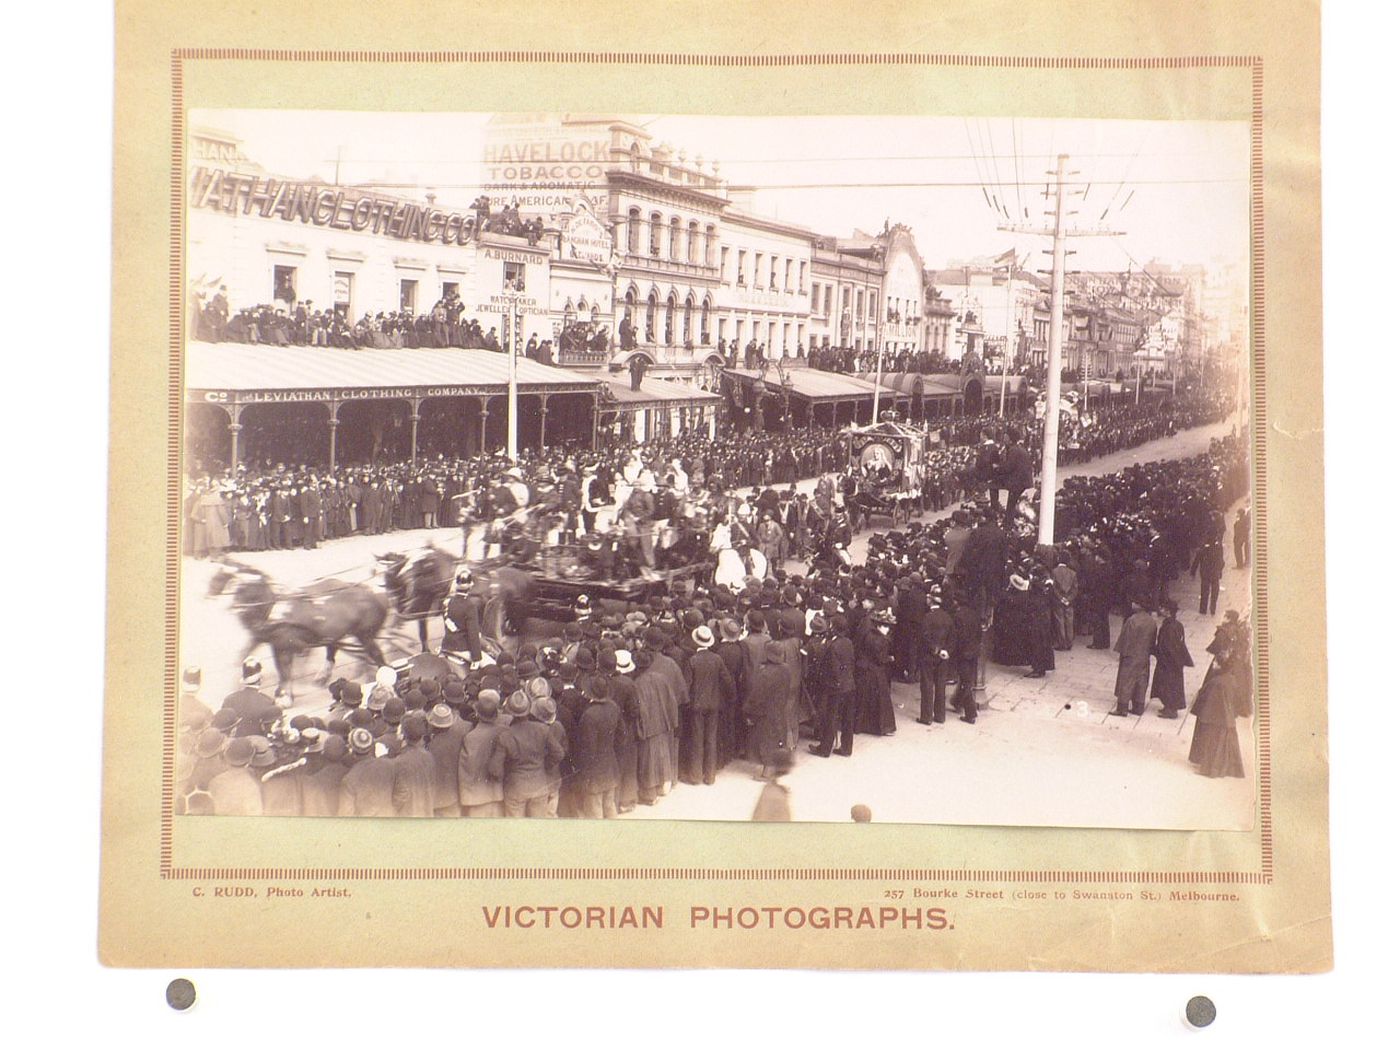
(1043, 751)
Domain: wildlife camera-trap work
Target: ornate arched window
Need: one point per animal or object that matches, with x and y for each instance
(651, 318)
(634, 230)
(671, 319)
(692, 243)
(655, 233)
(687, 319)
(675, 249)
(705, 320)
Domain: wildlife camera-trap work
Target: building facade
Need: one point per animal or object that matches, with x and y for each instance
(764, 297)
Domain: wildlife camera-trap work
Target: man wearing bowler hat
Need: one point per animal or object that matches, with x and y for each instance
(481, 791)
(520, 759)
(236, 792)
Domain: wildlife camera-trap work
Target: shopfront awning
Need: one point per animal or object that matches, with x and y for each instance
(241, 373)
(908, 385)
(810, 384)
(654, 393)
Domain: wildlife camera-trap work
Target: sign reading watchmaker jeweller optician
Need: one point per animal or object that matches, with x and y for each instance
(317, 204)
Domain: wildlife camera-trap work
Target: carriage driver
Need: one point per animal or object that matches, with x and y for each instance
(461, 620)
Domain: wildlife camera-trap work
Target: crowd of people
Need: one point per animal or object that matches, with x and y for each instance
(626, 702)
(273, 506)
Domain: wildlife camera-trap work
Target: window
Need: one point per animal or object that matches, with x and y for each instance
(284, 284)
(787, 275)
(816, 299)
(773, 274)
(801, 278)
(513, 277)
(687, 319)
(705, 321)
(634, 229)
(449, 289)
(671, 321)
(724, 263)
(860, 303)
(826, 301)
(871, 312)
(692, 243)
(651, 318)
(758, 269)
(655, 239)
(739, 270)
(709, 245)
(342, 288)
(675, 244)
(408, 295)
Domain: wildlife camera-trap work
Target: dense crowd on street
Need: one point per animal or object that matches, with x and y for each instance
(627, 701)
(274, 506)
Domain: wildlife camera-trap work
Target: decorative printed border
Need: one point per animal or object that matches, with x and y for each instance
(175, 413)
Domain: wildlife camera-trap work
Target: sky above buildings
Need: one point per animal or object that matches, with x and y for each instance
(1178, 191)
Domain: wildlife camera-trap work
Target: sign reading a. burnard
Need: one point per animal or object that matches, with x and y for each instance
(317, 204)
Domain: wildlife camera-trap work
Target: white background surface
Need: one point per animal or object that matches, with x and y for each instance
(57, 163)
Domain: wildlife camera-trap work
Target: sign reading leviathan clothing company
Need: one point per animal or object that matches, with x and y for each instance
(335, 207)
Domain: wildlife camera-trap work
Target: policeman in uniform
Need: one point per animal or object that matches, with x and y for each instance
(461, 618)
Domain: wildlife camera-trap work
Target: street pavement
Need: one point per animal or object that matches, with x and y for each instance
(1043, 751)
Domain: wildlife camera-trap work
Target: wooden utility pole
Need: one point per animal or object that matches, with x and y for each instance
(1050, 448)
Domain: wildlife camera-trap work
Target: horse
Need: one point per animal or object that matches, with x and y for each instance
(419, 586)
(323, 614)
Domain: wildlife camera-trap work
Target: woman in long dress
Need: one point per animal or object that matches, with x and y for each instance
(875, 706)
(1223, 698)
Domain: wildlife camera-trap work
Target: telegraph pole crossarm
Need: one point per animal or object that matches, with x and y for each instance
(1050, 447)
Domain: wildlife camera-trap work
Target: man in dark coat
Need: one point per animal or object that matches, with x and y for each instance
(255, 709)
(597, 741)
(461, 619)
(935, 644)
(967, 649)
(1015, 474)
(711, 690)
(1210, 564)
(415, 771)
(836, 684)
(1241, 538)
(765, 710)
(445, 745)
(1168, 678)
(367, 789)
(1134, 647)
(521, 759)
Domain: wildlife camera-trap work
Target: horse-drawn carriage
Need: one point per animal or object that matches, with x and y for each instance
(888, 460)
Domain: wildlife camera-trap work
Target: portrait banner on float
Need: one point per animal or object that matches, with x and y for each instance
(668, 455)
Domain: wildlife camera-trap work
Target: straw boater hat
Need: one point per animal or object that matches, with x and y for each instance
(703, 637)
(1020, 582)
(624, 661)
(441, 717)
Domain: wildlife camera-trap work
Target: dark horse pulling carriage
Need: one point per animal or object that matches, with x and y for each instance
(336, 614)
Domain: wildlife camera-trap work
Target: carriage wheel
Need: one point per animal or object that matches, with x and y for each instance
(494, 620)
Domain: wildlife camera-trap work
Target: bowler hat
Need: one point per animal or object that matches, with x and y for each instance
(239, 751)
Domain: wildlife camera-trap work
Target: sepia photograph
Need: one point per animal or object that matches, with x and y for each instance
(726, 468)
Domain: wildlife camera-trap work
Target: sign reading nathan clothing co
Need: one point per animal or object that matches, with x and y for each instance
(317, 204)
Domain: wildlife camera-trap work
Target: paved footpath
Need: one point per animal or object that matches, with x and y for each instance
(1043, 752)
